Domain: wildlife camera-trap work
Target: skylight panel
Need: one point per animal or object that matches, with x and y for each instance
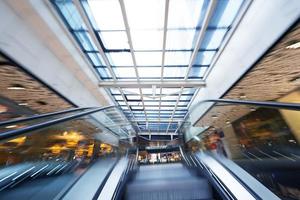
(163, 103)
(197, 72)
(185, 13)
(149, 72)
(104, 73)
(148, 58)
(168, 91)
(176, 72)
(177, 58)
(131, 91)
(145, 14)
(124, 72)
(85, 41)
(147, 40)
(213, 38)
(107, 14)
(180, 39)
(71, 15)
(114, 39)
(225, 13)
(153, 103)
(204, 57)
(120, 59)
(96, 59)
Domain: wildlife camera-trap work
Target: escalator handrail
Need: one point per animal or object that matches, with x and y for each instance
(17, 132)
(267, 104)
(40, 116)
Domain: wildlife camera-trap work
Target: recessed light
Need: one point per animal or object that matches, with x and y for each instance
(16, 87)
(214, 116)
(227, 122)
(197, 138)
(23, 104)
(295, 45)
(243, 96)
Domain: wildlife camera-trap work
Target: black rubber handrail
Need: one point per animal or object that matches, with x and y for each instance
(17, 132)
(40, 116)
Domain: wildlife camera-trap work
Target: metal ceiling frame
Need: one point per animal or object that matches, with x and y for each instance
(208, 15)
(186, 82)
(96, 42)
(125, 20)
(149, 84)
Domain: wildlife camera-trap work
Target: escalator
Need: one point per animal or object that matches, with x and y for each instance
(167, 181)
(43, 156)
(88, 154)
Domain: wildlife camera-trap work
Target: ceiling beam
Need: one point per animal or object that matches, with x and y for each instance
(125, 20)
(157, 133)
(163, 52)
(149, 84)
(96, 42)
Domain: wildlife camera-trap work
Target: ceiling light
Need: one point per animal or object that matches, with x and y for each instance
(295, 45)
(23, 104)
(16, 88)
(227, 122)
(243, 96)
(197, 138)
(214, 116)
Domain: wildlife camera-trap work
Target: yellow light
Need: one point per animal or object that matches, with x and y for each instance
(79, 151)
(72, 138)
(90, 150)
(56, 149)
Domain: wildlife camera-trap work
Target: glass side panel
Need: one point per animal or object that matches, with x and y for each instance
(43, 164)
(70, 14)
(262, 141)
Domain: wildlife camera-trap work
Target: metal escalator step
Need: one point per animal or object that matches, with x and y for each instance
(189, 188)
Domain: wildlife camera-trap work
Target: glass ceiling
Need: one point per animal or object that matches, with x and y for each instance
(143, 40)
